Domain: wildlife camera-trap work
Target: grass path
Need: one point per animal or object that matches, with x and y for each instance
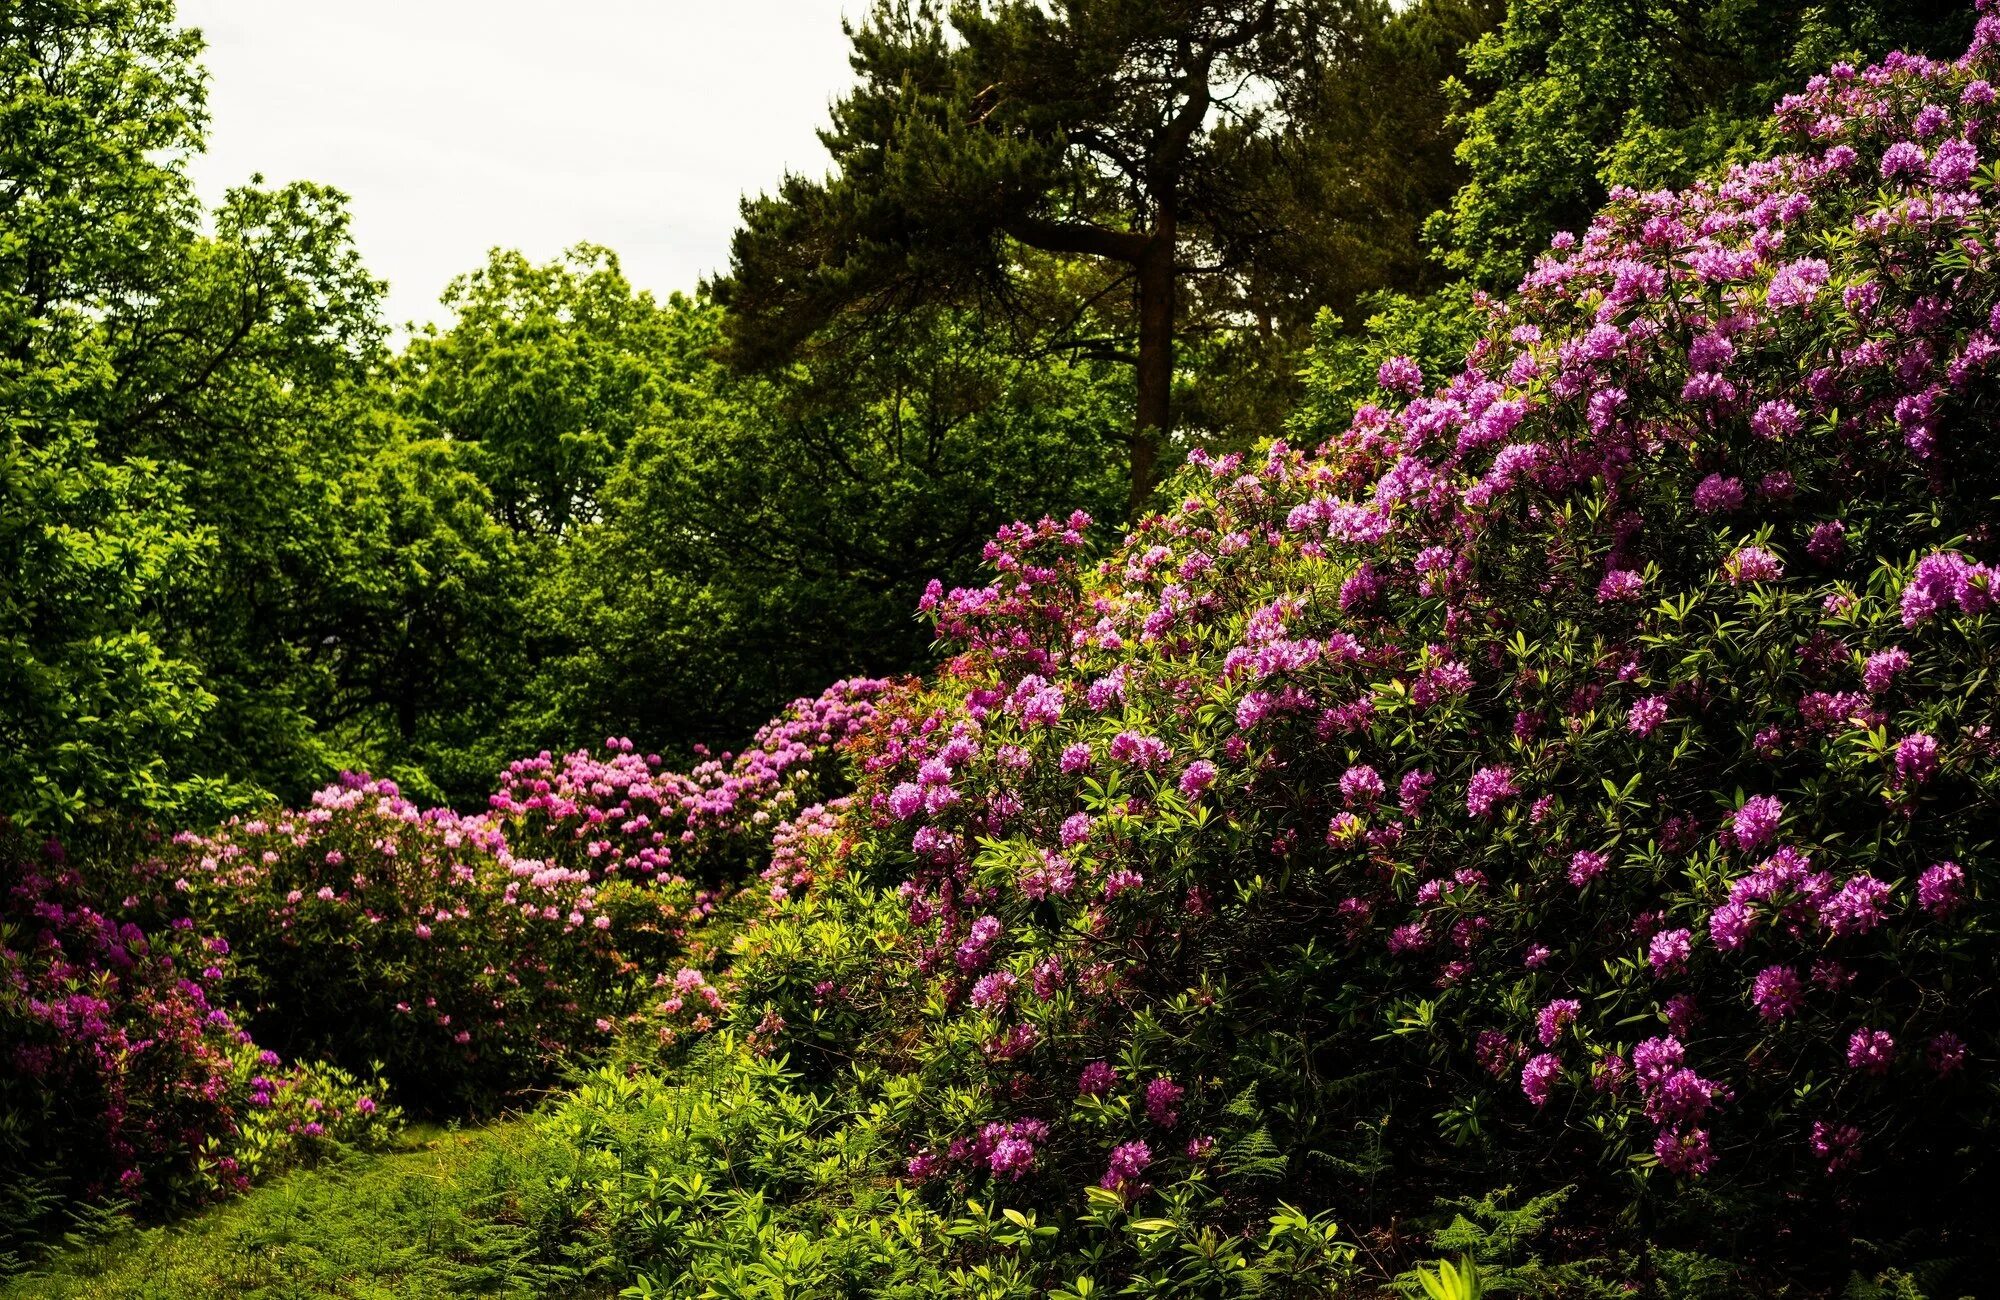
(428, 1219)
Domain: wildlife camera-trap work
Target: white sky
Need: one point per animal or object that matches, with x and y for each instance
(458, 125)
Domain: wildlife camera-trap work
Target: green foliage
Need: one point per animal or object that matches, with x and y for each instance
(1567, 98)
(733, 1180)
(91, 702)
(1449, 1281)
(423, 1220)
(221, 571)
(546, 373)
(1511, 1245)
(1436, 331)
(93, 95)
(801, 514)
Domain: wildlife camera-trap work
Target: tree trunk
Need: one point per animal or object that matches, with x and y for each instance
(1153, 421)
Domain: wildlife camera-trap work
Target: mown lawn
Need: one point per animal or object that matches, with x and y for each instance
(430, 1219)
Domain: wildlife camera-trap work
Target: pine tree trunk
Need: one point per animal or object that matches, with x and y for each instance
(1153, 420)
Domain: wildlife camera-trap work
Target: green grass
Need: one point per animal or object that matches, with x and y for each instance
(428, 1220)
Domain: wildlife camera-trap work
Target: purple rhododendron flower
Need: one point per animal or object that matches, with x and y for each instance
(1553, 1018)
(1412, 792)
(1941, 888)
(1902, 159)
(1775, 419)
(1128, 1163)
(1730, 925)
(1945, 1053)
(1400, 375)
(1752, 564)
(993, 990)
(1827, 544)
(1776, 992)
(1539, 1075)
(1684, 1151)
(1361, 786)
(1757, 820)
(1797, 283)
(1836, 1144)
(1871, 1051)
(1883, 668)
(1489, 786)
(1718, 495)
(1856, 908)
(1646, 715)
(1198, 777)
(1163, 1099)
(1011, 1157)
(1586, 866)
(1916, 759)
(1620, 584)
(1669, 950)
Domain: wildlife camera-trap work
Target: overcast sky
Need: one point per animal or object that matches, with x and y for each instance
(458, 125)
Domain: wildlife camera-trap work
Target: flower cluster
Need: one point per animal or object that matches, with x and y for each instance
(473, 954)
(625, 812)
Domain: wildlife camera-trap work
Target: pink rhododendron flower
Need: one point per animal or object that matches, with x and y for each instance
(1757, 820)
(1489, 787)
(1916, 759)
(1941, 888)
(1752, 564)
(1871, 1051)
(1128, 1163)
(1554, 1017)
(1646, 715)
(1776, 992)
(1668, 951)
(1538, 1077)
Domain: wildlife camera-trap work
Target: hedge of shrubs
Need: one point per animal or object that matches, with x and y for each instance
(125, 1075)
(471, 955)
(1581, 770)
(453, 961)
(624, 813)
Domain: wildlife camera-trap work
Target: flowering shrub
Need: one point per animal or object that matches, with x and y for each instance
(124, 1075)
(469, 955)
(625, 813)
(773, 1174)
(368, 929)
(1584, 766)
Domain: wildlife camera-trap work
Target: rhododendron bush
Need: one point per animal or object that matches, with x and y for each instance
(142, 990)
(1580, 768)
(471, 954)
(625, 813)
(124, 1074)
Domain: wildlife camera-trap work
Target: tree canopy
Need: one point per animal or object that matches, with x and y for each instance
(1169, 147)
